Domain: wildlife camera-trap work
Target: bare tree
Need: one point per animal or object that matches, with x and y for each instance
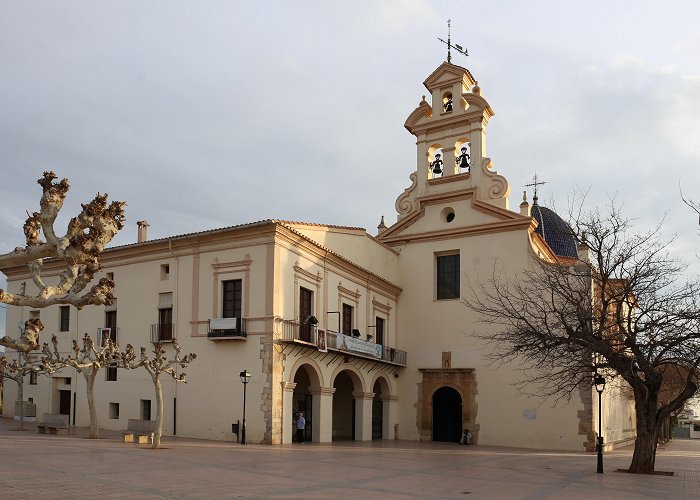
(156, 366)
(87, 360)
(16, 371)
(692, 204)
(622, 309)
(86, 237)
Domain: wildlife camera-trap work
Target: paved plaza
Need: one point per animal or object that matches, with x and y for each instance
(72, 466)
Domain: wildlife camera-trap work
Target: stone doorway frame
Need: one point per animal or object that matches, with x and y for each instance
(463, 380)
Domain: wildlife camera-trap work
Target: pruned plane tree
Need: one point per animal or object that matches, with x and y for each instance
(80, 247)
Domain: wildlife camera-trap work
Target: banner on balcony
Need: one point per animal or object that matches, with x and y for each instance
(322, 346)
(346, 343)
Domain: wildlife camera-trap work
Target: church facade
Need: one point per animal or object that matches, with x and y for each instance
(366, 335)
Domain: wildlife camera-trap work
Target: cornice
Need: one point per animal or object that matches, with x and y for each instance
(453, 120)
(355, 295)
(448, 179)
(495, 227)
(303, 272)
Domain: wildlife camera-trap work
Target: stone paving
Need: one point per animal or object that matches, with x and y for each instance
(71, 466)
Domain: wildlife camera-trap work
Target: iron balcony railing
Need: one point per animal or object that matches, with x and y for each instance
(293, 331)
(162, 332)
(222, 333)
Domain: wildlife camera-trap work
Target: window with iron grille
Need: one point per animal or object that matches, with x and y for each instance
(64, 318)
(111, 323)
(232, 291)
(379, 329)
(448, 277)
(347, 319)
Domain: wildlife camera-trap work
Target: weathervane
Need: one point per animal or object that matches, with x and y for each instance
(535, 182)
(458, 48)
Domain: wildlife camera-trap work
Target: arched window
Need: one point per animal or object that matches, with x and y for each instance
(447, 102)
(435, 161)
(462, 156)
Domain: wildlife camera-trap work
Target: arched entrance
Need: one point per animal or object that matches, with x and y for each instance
(344, 407)
(302, 400)
(447, 415)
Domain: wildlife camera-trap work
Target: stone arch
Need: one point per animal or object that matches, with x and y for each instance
(435, 152)
(385, 383)
(462, 142)
(305, 377)
(381, 407)
(348, 389)
(447, 405)
(353, 373)
(315, 373)
(461, 380)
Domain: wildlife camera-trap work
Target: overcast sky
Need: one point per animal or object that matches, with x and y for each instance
(203, 114)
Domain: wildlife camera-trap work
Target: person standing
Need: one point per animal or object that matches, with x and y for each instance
(301, 427)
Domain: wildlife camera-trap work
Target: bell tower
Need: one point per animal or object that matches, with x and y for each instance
(450, 130)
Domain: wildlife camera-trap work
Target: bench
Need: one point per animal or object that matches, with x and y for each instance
(139, 431)
(53, 423)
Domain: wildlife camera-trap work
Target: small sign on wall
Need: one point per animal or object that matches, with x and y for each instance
(322, 347)
(530, 414)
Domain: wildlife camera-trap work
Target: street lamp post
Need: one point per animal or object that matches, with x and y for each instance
(599, 382)
(245, 378)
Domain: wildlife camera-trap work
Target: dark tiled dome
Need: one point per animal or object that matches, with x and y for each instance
(555, 231)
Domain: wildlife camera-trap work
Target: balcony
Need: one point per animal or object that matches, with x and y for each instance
(162, 332)
(227, 329)
(112, 333)
(294, 332)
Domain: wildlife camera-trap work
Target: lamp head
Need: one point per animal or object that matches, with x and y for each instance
(599, 383)
(245, 376)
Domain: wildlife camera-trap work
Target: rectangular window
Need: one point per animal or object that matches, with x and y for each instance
(347, 319)
(164, 271)
(111, 323)
(232, 291)
(306, 299)
(379, 322)
(32, 378)
(111, 374)
(64, 321)
(448, 276)
(114, 410)
(145, 409)
(34, 314)
(165, 317)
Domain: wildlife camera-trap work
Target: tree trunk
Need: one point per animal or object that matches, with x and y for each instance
(644, 457)
(90, 375)
(159, 411)
(20, 396)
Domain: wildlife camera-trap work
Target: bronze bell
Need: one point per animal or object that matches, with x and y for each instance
(462, 160)
(437, 164)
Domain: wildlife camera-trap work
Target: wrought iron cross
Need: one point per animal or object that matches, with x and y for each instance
(535, 182)
(449, 44)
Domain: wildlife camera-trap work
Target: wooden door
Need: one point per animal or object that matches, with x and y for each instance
(305, 302)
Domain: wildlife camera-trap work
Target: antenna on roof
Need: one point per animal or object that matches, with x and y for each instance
(535, 182)
(449, 44)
